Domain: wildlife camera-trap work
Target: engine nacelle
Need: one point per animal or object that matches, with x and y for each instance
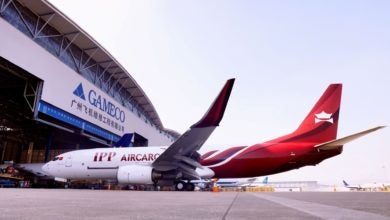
(136, 174)
(205, 172)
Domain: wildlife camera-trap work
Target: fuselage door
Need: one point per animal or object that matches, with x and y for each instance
(68, 161)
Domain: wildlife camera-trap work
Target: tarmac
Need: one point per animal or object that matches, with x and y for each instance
(108, 204)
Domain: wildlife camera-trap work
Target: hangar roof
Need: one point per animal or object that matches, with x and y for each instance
(55, 18)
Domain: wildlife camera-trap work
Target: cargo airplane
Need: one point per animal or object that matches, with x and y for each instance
(314, 141)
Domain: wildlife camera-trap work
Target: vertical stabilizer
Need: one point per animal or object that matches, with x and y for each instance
(320, 125)
(125, 140)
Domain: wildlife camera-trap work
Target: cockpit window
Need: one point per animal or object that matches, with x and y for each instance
(58, 158)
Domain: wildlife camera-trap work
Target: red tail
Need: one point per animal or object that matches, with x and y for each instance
(320, 125)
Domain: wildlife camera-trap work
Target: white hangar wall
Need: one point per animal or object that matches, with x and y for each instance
(60, 88)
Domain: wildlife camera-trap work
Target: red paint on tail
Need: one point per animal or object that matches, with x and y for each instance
(320, 125)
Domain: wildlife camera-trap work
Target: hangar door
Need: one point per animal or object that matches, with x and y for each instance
(19, 94)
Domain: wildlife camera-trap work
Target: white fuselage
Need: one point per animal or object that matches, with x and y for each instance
(100, 163)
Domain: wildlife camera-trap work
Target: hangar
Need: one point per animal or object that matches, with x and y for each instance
(60, 90)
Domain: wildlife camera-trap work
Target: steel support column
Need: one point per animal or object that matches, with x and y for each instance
(30, 152)
(48, 147)
(3, 151)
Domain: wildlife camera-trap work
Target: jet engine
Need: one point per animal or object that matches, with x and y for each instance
(137, 174)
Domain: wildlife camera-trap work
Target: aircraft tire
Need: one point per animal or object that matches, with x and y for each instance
(180, 186)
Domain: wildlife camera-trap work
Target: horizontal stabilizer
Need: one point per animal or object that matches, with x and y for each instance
(340, 142)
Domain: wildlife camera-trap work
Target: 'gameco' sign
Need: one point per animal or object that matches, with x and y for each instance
(101, 103)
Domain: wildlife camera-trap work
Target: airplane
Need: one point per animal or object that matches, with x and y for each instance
(173, 165)
(254, 183)
(251, 182)
(365, 186)
(352, 187)
(312, 142)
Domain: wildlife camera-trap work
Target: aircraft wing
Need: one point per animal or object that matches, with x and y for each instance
(339, 142)
(182, 154)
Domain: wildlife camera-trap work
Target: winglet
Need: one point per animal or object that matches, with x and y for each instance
(215, 113)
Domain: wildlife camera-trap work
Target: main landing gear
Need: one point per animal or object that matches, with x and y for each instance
(184, 186)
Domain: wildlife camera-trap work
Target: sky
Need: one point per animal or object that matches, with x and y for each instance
(283, 55)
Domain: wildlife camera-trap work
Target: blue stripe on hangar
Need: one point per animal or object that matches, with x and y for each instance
(68, 118)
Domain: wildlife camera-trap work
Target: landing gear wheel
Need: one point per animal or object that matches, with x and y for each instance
(180, 185)
(190, 187)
